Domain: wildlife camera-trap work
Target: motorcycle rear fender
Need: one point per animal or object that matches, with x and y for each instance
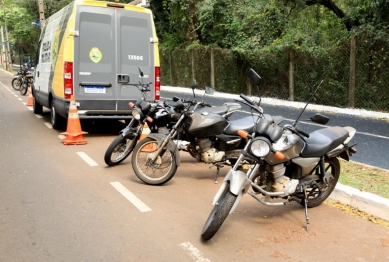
(170, 145)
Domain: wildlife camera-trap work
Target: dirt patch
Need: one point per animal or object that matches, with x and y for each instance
(288, 233)
(277, 254)
(385, 242)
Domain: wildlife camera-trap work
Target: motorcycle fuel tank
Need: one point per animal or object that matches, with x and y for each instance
(207, 125)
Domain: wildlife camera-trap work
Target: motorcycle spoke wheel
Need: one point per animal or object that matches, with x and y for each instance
(218, 214)
(16, 84)
(23, 88)
(119, 150)
(157, 173)
(317, 193)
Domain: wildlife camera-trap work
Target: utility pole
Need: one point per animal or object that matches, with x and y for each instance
(8, 63)
(42, 19)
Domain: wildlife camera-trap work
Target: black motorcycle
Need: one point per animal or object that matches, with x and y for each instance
(159, 117)
(212, 138)
(20, 80)
(283, 164)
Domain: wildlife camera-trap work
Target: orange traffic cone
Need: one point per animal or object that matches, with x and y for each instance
(73, 132)
(150, 147)
(145, 132)
(30, 101)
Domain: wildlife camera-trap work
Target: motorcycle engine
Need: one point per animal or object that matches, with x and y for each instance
(208, 153)
(281, 183)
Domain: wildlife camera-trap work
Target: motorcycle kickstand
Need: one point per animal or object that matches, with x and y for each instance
(305, 206)
(218, 166)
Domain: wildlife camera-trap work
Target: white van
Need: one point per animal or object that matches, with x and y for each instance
(92, 50)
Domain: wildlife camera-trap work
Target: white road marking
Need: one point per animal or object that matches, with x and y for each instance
(20, 99)
(194, 252)
(87, 159)
(38, 116)
(130, 197)
(48, 125)
(61, 137)
(29, 107)
(15, 95)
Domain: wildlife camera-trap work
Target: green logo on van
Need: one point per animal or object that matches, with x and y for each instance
(95, 55)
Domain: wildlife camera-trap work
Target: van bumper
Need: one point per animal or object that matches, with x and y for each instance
(122, 114)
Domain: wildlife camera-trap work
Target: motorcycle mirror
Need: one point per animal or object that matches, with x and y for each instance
(140, 71)
(194, 84)
(320, 119)
(209, 90)
(254, 77)
(175, 99)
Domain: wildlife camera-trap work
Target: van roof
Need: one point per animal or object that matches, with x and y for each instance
(113, 5)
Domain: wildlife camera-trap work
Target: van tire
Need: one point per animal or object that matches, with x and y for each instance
(57, 121)
(37, 108)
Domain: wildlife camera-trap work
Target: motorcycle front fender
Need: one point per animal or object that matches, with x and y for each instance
(129, 133)
(238, 181)
(170, 145)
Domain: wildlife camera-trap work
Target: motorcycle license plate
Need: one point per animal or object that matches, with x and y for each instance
(95, 89)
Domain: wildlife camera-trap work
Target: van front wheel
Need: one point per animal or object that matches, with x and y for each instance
(57, 121)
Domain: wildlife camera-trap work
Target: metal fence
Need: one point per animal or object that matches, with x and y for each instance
(355, 74)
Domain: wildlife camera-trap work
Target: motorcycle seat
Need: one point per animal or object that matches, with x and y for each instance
(219, 110)
(246, 123)
(323, 141)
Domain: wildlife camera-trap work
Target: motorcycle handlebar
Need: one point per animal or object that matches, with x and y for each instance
(247, 99)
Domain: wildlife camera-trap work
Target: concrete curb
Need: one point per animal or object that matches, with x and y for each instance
(364, 201)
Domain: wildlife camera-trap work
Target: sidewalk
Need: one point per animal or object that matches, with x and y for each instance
(364, 201)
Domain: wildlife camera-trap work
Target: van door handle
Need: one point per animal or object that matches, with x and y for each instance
(38, 73)
(123, 79)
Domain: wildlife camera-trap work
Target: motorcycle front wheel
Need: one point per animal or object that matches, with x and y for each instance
(119, 149)
(23, 88)
(16, 83)
(218, 214)
(317, 195)
(153, 173)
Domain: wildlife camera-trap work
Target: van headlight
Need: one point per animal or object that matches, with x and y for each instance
(136, 113)
(260, 147)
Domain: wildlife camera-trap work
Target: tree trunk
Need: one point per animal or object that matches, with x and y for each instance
(291, 75)
(351, 88)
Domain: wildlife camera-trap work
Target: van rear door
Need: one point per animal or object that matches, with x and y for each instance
(112, 43)
(135, 49)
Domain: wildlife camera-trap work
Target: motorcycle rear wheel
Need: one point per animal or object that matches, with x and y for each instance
(218, 214)
(119, 149)
(317, 196)
(16, 84)
(161, 171)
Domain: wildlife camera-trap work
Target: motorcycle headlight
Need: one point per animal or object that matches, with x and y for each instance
(260, 147)
(136, 113)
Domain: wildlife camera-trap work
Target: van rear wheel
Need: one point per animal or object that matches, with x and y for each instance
(57, 121)
(37, 108)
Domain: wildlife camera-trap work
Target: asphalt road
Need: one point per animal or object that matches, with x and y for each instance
(62, 203)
